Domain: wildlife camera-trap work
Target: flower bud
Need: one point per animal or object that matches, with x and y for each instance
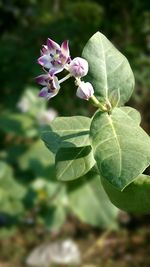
(85, 90)
(78, 67)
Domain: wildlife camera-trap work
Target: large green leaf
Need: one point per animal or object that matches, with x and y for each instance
(71, 163)
(68, 138)
(109, 70)
(67, 132)
(134, 198)
(89, 202)
(133, 113)
(121, 147)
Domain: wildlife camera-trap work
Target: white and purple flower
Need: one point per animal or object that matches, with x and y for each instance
(50, 83)
(85, 90)
(54, 57)
(78, 67)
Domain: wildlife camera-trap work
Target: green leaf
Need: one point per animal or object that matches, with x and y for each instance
(11, 192)
(68, 137)
(67, 132)
(134, 198)
(89, 202)
(53, 217)
(109, 70)
(38, 159)
(133, 113)
(114, 98)
(71, 163)
(121, 148)
(18, 124)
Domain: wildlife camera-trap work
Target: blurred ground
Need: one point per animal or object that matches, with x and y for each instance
(127, 247)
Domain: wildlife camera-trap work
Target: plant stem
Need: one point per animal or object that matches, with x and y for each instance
(65, 78)
(96, 103)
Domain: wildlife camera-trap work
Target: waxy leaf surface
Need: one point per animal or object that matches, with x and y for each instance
(132, 113)
(67, 132)
(68, 138)
(109, 70)
(134, 198)
(71, 163)
(121, 148)
(89, 202)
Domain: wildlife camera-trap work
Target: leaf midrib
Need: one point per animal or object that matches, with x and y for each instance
(71, 162)
(117, 142)
(105, 68)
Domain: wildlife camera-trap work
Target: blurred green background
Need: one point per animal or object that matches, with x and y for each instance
(33, 206)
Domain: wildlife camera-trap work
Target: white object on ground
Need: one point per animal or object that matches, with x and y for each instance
(59, 252)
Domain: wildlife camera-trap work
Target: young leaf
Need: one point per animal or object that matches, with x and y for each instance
(73, 162)
(121, 148)
(89, 202)
(67, 132)
(108, 69)
(114, 98)
(134, 198)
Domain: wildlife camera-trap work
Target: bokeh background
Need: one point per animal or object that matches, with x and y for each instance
(34, 208)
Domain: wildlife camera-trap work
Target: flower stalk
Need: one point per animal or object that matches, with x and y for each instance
(65, 78)
(94, 101)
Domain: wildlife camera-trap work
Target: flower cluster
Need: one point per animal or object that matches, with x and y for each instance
(54, 59)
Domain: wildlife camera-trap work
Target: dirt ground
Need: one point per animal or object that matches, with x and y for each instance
(129, 246)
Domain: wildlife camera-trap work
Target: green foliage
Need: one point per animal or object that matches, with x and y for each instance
(121, 148)
(133, 113)
(109, 70)
(67, 132)
(94, 209)
(12, 124)
(134, 198)
(35, 195)
(71, 163)
(11, 192)
(68, 138)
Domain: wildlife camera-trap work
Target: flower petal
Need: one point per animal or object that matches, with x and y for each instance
(65, 48)
(45, 61)
(55, 70)
(42, 79)
(56, 83)
(44, 50)
(52, 94)
(52, 45)
(44, 92)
